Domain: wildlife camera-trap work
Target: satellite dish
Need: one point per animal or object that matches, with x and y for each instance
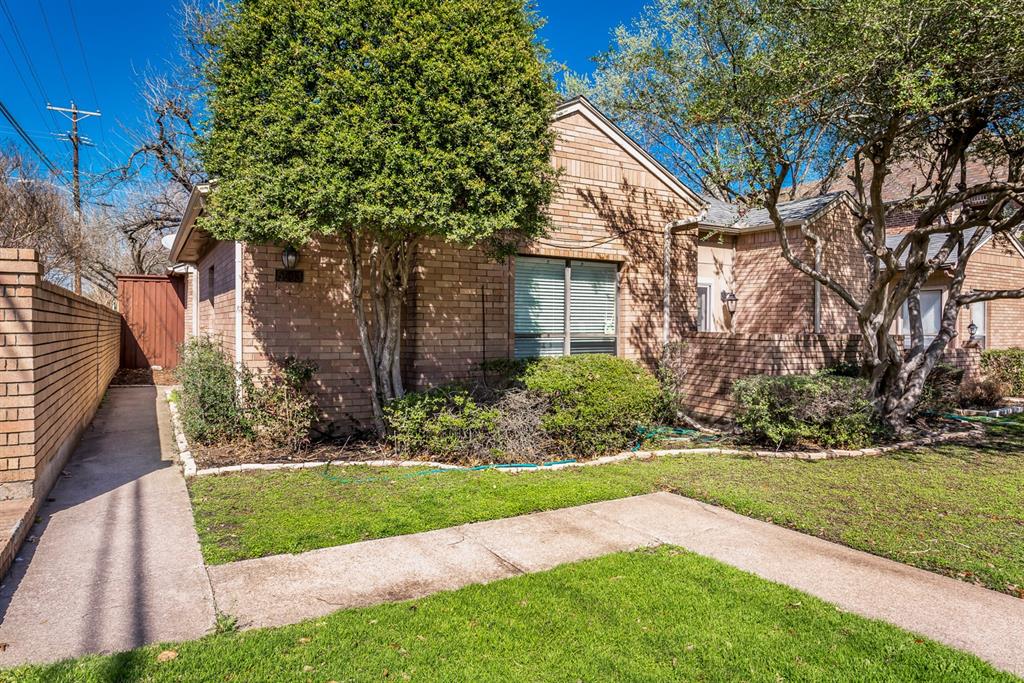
(168, 240)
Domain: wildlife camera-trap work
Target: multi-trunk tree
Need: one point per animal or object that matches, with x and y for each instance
(750, 98)
(379, 123)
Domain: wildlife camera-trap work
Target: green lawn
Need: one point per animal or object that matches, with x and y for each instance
(648, 615)
(955, 510)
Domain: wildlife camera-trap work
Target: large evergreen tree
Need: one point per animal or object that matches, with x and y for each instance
(380, 123)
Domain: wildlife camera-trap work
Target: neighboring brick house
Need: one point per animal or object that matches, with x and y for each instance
(616, 273)
(739, 254)
(997, 263)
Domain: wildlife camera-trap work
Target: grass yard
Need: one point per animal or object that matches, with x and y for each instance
(955, 510)
(647, 615)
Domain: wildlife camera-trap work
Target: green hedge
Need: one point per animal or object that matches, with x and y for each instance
(444, 422)
(596, 401)
(1005, 367)
(805, 410)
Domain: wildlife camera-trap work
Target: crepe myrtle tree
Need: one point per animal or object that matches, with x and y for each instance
(754, 96)
(381, 123)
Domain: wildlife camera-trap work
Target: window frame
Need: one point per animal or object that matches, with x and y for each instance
(567, 335)
(905, 317)
(709, 315)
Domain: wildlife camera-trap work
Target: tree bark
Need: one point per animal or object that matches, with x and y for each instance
(389, 268)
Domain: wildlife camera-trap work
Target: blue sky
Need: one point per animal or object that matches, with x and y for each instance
(121, 38)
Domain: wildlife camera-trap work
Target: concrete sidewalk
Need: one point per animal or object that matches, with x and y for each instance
(117, 560)
(284, 589)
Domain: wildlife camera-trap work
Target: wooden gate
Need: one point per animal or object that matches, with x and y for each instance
(152, 319)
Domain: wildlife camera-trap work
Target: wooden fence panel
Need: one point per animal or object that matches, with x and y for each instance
(152, 319)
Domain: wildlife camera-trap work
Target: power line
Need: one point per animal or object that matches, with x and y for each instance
(25, 55)
(56, 52)
(85, 59)
(29, 141)
(24, 83)
(74, 114)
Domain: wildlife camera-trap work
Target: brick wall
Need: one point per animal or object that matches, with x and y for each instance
(59, 352)
(776, 298)
(996, 265)
(216, 275)
(714, 360)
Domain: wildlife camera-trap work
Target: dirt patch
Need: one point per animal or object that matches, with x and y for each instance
(129, 376)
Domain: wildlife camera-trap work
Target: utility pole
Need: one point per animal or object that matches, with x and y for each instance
(74, 114)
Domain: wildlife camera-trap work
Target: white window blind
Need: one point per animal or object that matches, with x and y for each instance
(592, 307)
(931, 316)
(540, 305)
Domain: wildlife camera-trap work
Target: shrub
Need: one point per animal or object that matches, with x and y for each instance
(672, 368)
(941, 392)
(985, 393)
(596, 401)
(1005, 367)
(279, 409)
(446, 422)
(795, 410)
(209, 407)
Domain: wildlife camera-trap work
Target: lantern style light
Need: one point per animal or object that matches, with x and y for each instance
(730, 300)
(973, 330)
(290, 257)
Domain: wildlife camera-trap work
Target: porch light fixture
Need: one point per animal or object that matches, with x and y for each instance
(730, 300)
(973, 330)
(290, 257)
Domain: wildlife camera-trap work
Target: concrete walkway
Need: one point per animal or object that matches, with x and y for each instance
(117, 560)
(116, 563)
(283, 589)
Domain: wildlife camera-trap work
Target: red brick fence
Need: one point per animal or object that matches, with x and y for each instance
(714, 360)
(58, 352)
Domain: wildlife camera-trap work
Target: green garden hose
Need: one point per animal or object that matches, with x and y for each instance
(440, 470)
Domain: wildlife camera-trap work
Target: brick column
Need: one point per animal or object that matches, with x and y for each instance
(19, 276)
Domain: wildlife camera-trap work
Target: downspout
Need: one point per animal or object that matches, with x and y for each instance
(817, 285)
(666, 264)
(195, 300)
(238, 305)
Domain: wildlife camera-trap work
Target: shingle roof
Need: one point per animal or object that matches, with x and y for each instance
(722, 214)
(935, 243)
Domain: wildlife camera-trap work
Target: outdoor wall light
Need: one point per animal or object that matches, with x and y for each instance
(730, 300)
(973, 330)
(290, 257)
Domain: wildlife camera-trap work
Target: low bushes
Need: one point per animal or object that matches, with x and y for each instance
(941, 392)
(528, 411)
(445, 422)
(209, 407)
(796, 410)
(218, 404)
(1006, 368)
(597, 401)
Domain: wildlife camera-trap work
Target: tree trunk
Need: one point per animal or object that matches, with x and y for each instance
(390, 266)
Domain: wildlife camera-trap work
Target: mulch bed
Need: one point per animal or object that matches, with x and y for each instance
(130, 376)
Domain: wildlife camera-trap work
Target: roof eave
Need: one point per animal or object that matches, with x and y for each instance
(194, 207)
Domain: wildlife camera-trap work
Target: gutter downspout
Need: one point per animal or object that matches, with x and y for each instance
(666, 264)
(195, 300)
(238, 305)
(817, 266)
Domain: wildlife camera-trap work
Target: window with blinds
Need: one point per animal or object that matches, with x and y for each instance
(564, 307)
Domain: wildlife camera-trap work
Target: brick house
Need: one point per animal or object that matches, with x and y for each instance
(634, 259)
(617, 273)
